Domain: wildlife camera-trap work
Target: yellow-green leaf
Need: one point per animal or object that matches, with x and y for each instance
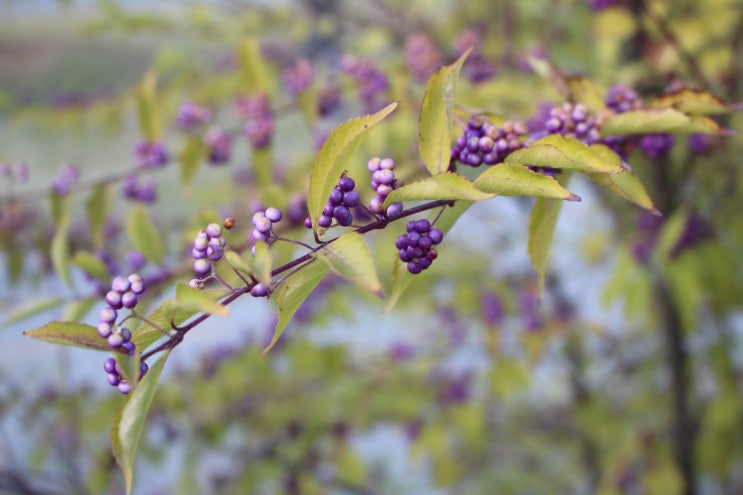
(694, 101)
(191, 157)
(626, 184)
(335, 154)
(565, 152)
(33, 308)
(90, 264)
(541, 228)
(144, 235)
(293, 291)
(258, 266)
(150, 123)
(190, 298)
(69, 333)
(434, 134)
(349, 257)
(253, 68)
(97, 207)
(512, 179)
(130, 420)
(447, 186)
(659, 120)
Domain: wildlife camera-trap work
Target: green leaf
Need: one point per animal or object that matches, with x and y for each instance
(565, 152)
(258, 266)
(33, 308)
(150, 123)
(262, 164)
(190, 298)
(191, 157)
(335, 154)
(626, 184)
(512, 179)
(144, 235)
(69, 333)
(130, 420)
(694, 101)
(446, 185)
(659, 120)
(253, 68)
(77, 309)
(434, 134)
(293, 291)
(541, 228)
(401, 278)
(585, 91)
(97, 208)
(60, 246)
(349, 257)
(168, 312)
(90, 264)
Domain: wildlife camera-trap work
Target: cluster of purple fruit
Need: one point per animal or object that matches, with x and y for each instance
(383, 183)
(123, 294)
(191, 116)
(219, 143)
(342, 198)
(422, 56)
(570, 119)
(256, 109)
(68, 174)
(483, 142)
(145, 191)
(372, 81)
(208, 247)
(299, 77)
(416, 246)
(151, 154)
(263, 223)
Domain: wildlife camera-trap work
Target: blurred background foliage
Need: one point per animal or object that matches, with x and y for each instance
(625, 379)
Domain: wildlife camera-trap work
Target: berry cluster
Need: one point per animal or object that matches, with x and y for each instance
(263, 223)
(256, 109)
(145, 191)
(656, 144)
(116, 375)
(622, 98)
(19, 173)
(150, 154)
(207, 248)
(190, 116)
(416, 246)
(342, 198)
(299, 77)
(483, 142)
(123, 294)
(219, 143)
(570, 119)
(383, 182)
(422, 56)
(599, 5)
(372, 81)
(66, 177)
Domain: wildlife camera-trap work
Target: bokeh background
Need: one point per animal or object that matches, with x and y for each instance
(625, 378)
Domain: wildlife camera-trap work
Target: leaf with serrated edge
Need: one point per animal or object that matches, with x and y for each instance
(659, 120)
(541, 229)
(434, 132)
(334, 155)
(293, 291)
(187, 297)
(563, 152)
(70, 333)
(130, 420)
(349, 257)
(144, 235)
(447, 186)
(401, 278)
(511, 179)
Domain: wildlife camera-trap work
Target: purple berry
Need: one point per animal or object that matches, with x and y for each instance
(336, 197)
(351, 199)
(115, 340)
(262, 224)
(109, 365)
(325, 221)
(129, 299)
(202, 267)
(414, 267)
(213, 230)
(137, 283)
(129, 348)
(113, 299)
(422, 226)
(108, 315)
(104, 330)
(259, 290)
(113, 379)
(346, 184)
(436, 236)
(273, 214)
(120, 284)
(124, 387)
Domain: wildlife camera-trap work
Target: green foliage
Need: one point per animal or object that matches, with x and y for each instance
(69, 333)
(144, 235)
(349, 257)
